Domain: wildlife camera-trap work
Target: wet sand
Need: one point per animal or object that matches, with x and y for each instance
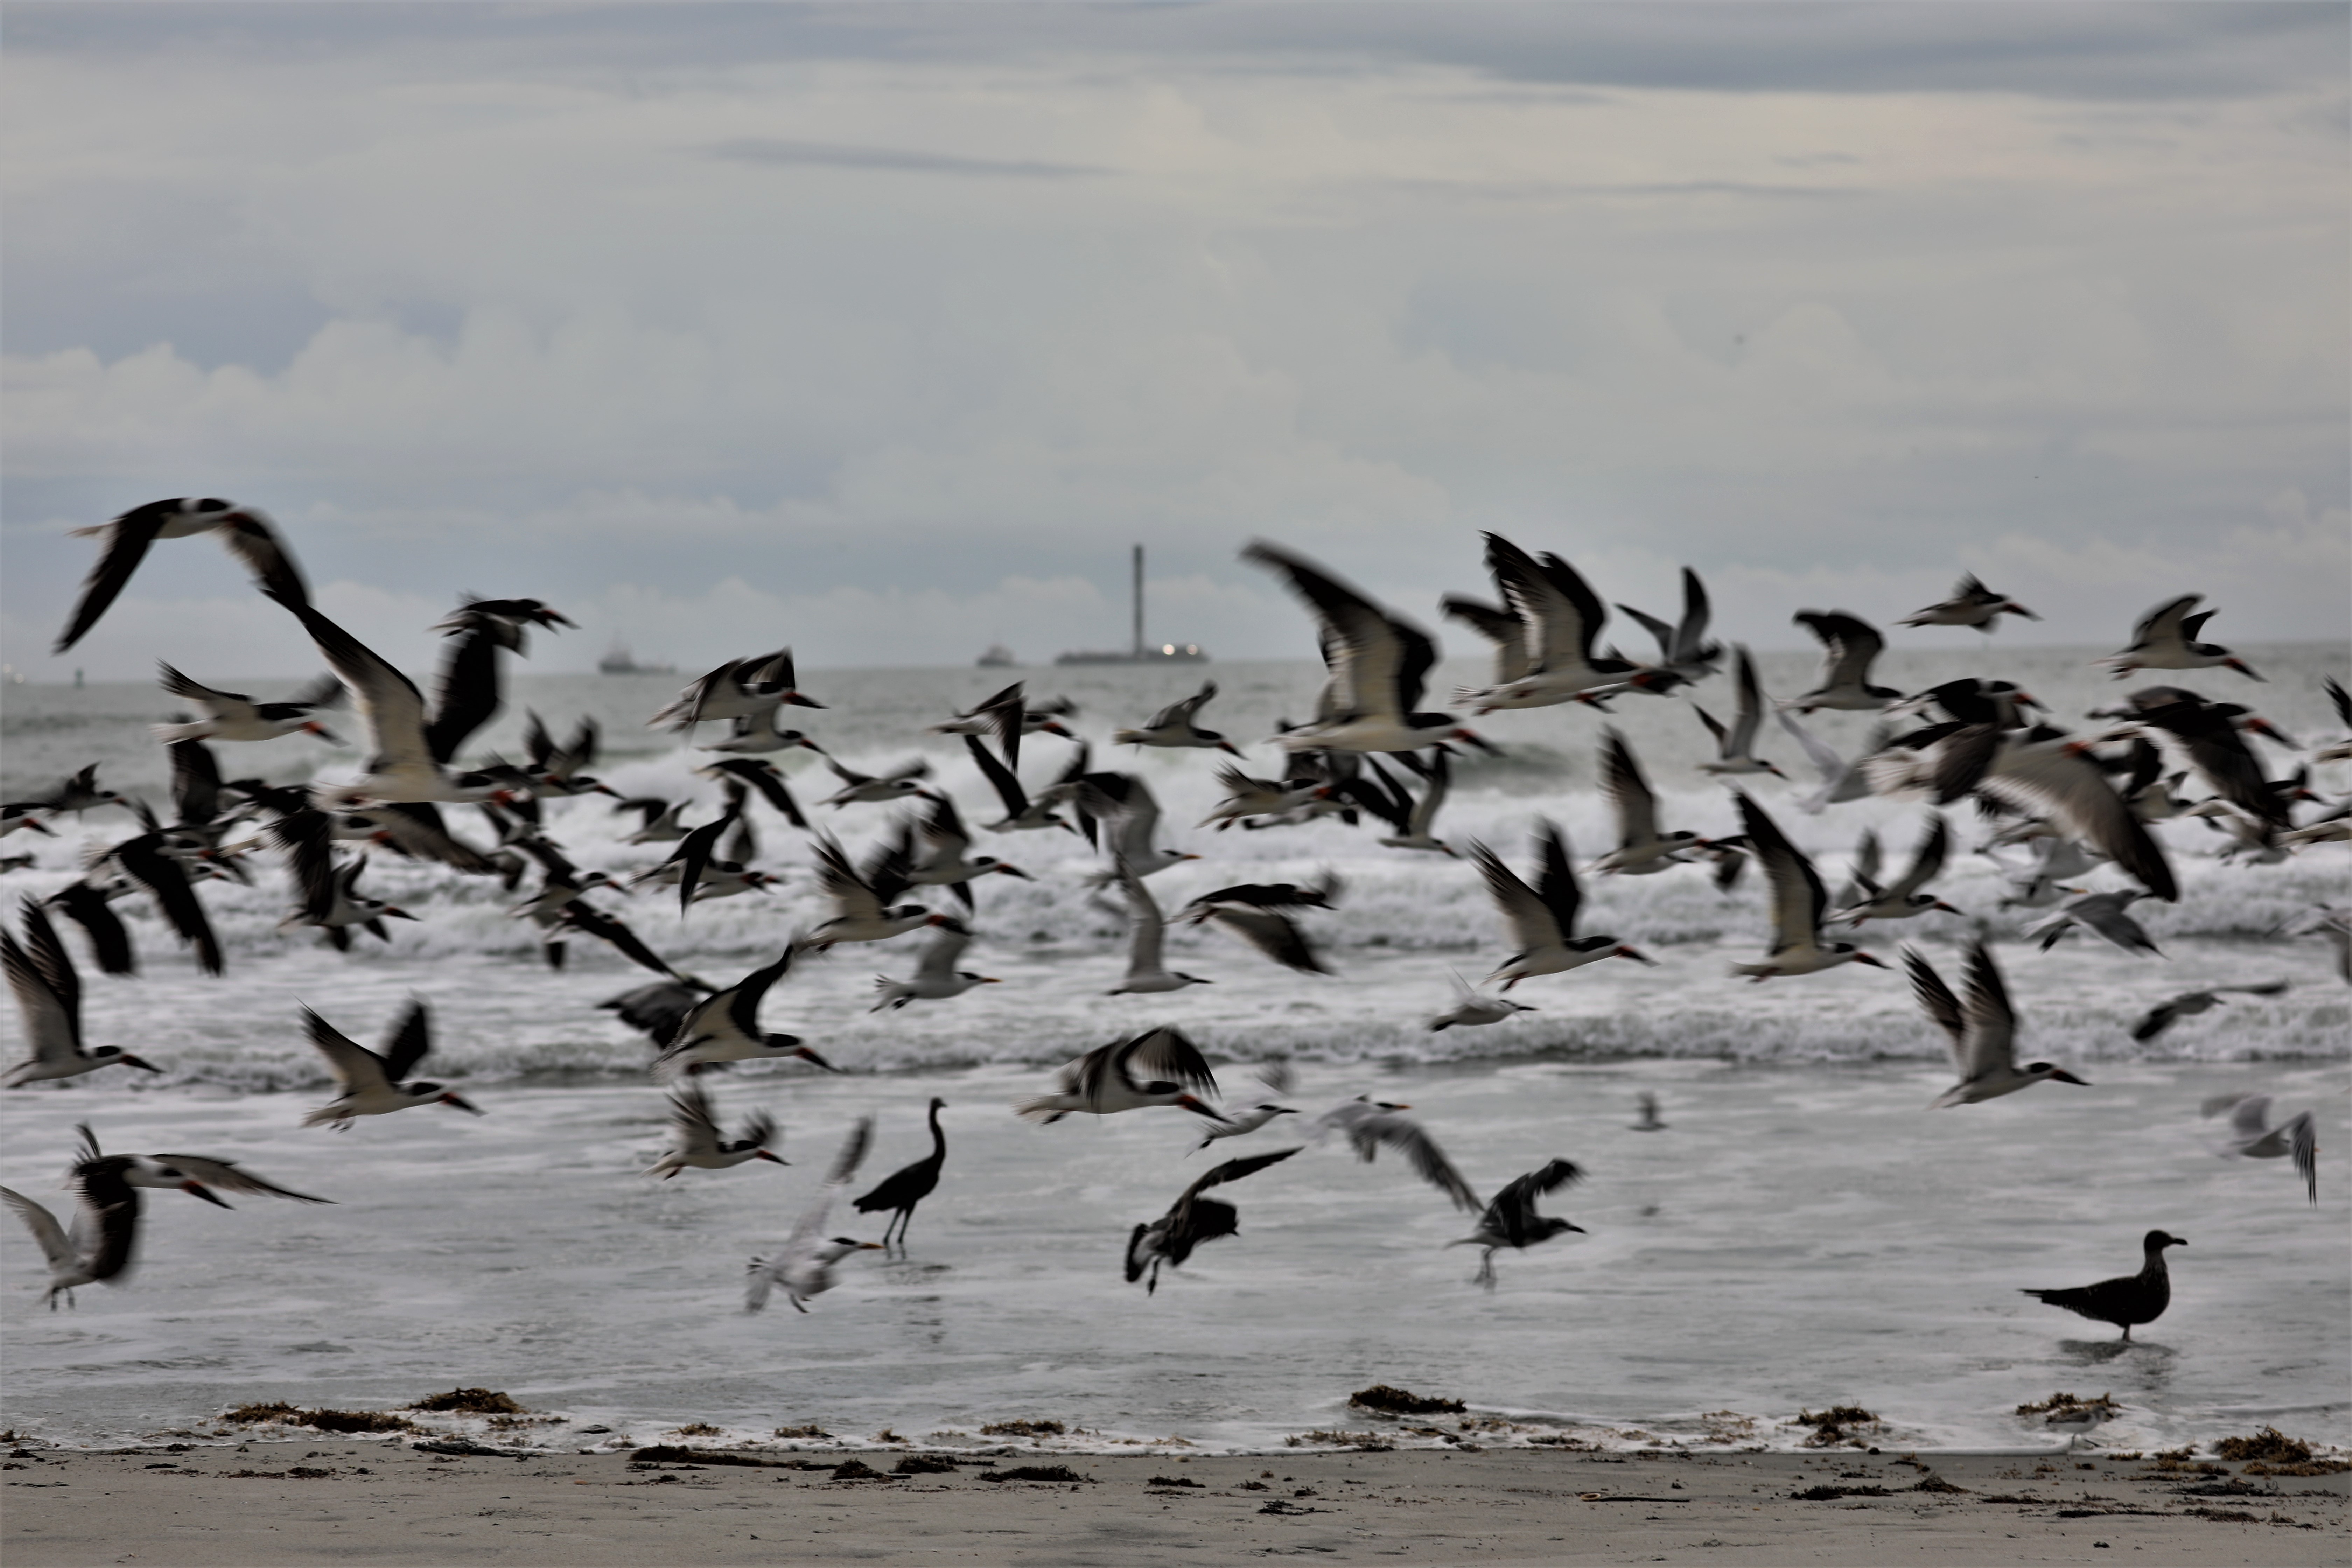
(331, 1502)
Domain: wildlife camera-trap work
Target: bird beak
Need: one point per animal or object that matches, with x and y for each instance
(1865, 958)
(1229, 746)
(1948, 908)
(2240, 666)
(795, 700)
(1629, 952)
(324, 733)
(1477, 740)
(1578, 1228)
(1188, 857)
(460, 1101)
(2016, 609)
(990, 980)
(1776, 772)
(396, 913)
(808, 1055)
(869, 1247)
(127, 1059)
(2062, 1076)
(764, 1155)
(194, 1188)
(1016, 872)
(1051, 727)
(1189, 1103)
(2027, 699)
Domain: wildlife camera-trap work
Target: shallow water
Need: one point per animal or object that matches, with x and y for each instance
(1804, 1233)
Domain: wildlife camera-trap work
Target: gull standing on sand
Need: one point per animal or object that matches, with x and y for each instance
(2251, 1137)
(1511, 1219)
(696, 1140)
(48, 999)
(1191, 1220)
(1982, 1034)
(804, 1265)
(373, 1084)
(1542, 919)
(1799, 901)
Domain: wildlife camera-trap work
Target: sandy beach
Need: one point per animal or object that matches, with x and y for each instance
(346, 1503)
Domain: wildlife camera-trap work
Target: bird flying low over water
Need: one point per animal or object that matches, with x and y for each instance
(2166, 639)
(243, 529)
(1543, 641)
(804, 1265)
(98, 1247)
(2107, 914)
(1542, 919)
(695, 1139)
(373, 1084)
(2127, 1301)
(1736, 747)
(725, 1027)
(1850, 645)
(234, 716)
(1473, 1007)
(1983, 1033)
(1191, 1220)
(2190, 1004)
(1972, 605)
(48, 999)
(936, 976)
(1158, 1067)
(199, 1175)
(1511, 1219)
(2251, 1137)
(1799, 902)
(1903, 898)
(1173, 726)
(1370, 1125)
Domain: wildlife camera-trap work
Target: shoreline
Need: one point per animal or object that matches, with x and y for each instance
(327, 1499)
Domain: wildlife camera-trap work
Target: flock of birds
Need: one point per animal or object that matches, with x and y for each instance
(2071, 803)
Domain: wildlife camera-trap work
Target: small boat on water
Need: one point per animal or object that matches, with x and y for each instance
(618, 661)
(998, 657)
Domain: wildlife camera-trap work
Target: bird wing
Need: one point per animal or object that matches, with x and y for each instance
(465, 694)
(1827, 763)
(355, 1066)
(1865, 862)
(1501, 627)
(1628, 792)
(691, 1121)
(939, 954)
(1556, 885)
(2165, 621)
(1513, 1212)
(1935, 998)
(742, 1000)
(1657, 629)
(1235, 1170)
(944, 831)
(2265, 988)
(1927, 861)
(1274, 935)
(1163, 1056)
(1559, 612)
(2052, 778)
(841, 882)
(249, 539)
(1377, 662)
(1752, 709)
(1432, 794)
(1147, 930)
(408, 1041)
(110, 939)
(1991, 1020)
(219, 703)
(1410, 1138)
(1849, 643)
(230, 1178)
(1000, 778)
(127, 540)
(59, 1252)
(1532, 923)
(1690, 635)
(2303, 1141)
(1382, 795)
(2249, 1118)
(595, 922)
(1797, 895)
(143, 860)
(388, 704)
(811, 1227)
(48, 990)
(890, 865)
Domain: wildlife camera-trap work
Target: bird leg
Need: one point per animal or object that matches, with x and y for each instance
(1485, 1274)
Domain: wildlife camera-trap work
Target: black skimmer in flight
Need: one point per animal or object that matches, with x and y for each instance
(1903, 898)
(947, 860)
(1473, 1007)
(803, 1266)
(1799, 904)
(2251, 1136)
(902, 1189)
(1386, 798)
(1850, 645)
(1972, 605)
(77, 794)
(147, 860)
(1982, 1033)
(557, 771)
(936, 976)
(48, 999)
(1192, 1219)
(507, 620)
(2190, 1004)
(755, 734)
(1125, 805)
(901, 782)
(199, 1175)
(234, 716)
(2166, 638)
(2338, 750)
(725, 1027)
(1370, 1125)
(2209, 738)
(1511, 1219)
(1378, 666)
(1247, 799)
(1558, 616)
(1684, 655)
(2128, 1301)
(1008, 717)
(578, 916)
(658, 817)
(1735, 749)
(21, 815)
(765, 778)
(861, 897)
(1157, 1067)
(1642, 851)
(1147, 962)
(657, 1010)
(88, 902)
(244, 530)
(1973, 700)
(1021, 814)
(562, 885)
(1254, 911)
(1278, 1076)
(2107, 914)
(1542, 919)
(97, 1248)
(373, 1085)
(697, 1139)
(1173, 726)
(740, 688)
(333, 903)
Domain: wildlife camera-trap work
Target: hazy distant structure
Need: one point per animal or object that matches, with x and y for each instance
(1139, 652)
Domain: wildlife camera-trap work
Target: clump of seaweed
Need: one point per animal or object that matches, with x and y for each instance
(858, 1470)
(1391, 1401)
(925, 1465)
(810, 1430)
(324, 1420)
(1369, 1442)
(1024, 1429)
(470, 1402)
(1171, 1482)
(1830, 1426)
(2067, 1408)
(2270, 1443)
(1036, 1473)
(698, 1429)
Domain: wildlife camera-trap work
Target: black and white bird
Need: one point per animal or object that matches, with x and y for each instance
(1157, 1067)
(803, 1266)
(725, 1027)
(47, 989)
(1972, 605)
(1553, 616)
(900, 1192)
(1147, 945)
(1173, 726)
(202, 1177)
(1542, 919)
(1473, 1007)
(756, 735)
(243, 529)
(936, 976)
(1021, 814)
(1380, 793)
(695, 1139)
(1641, 849)
(1735, 748)
(1850, 646)
(1685, 654)
(2107, 915)
(2166, 638)
(2251, 1137)
(1120, 813)
(376, 1085)
(947, 859)
(901, 782)
(2126, 1301)
(1251, 800)
(559, 771)
(1799, 904)
(1982, 1032)
(1257, 913)
(234, 716)
(2190, 1004)
(1842, 779)
(97, 1248)
(1370, 1125)
(1511, 1219)
(861, 896)
(1903, 898)
(740, 688)
(2209, 739)
(1192, 1219)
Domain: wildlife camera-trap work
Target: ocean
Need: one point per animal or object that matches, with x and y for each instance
(1803, 1233)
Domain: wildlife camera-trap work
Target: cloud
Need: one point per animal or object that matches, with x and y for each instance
(832, 155)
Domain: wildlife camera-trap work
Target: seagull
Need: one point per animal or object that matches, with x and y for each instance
(1542, 919)
(1972, 605)
(1378, 665)
(1558, 616)
(898, 784)
(1511, 1219)
(371, 1083)
(1649, 1122)
(1173, 726)
(105, 1230)
(1104, 1081)
(1246, 1123)
(2104, 913)
(48, 999)
(1683, 653)
(1983, 1033)
(2128, 1301)
(195, 1174)
(740, 688)
(1369, 1123)
(1736, 747)
(1147, 964)
(1021, 814)
(725, 1027)
(245, 530)
(1641, 849)
(1841, 780)
(936, 979)
(2190, 1004)
(1473, 1007)
(1797, 901)
(947, 861)
(863, 898)
(1850, 644)
(804, 1265)
(908, 1185)
(2165, 639)
(1191, 1220)
(234, 716)
(1903, 899)
(1386, 798)
(697, 1139)
(2251, 1136)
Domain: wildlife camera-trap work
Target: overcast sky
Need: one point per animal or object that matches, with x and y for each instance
(884, 330)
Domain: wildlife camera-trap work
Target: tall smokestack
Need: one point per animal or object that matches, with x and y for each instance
(1138, 601)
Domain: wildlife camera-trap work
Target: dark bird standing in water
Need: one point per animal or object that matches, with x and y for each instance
(2127, 1301)
(902, 1189)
